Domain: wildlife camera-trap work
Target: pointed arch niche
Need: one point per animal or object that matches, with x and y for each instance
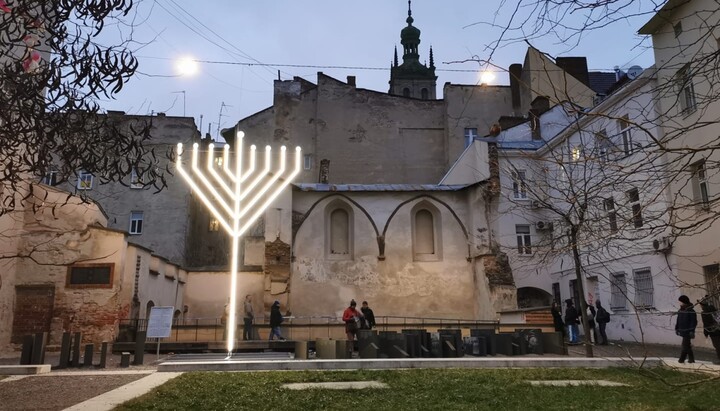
(426, 232)
(339, 231)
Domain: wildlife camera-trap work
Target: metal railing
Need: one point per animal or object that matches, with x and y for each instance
(294, 327)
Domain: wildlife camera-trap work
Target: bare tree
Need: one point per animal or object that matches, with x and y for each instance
(54, 69)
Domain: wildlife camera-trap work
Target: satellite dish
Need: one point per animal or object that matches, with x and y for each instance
(634, 71)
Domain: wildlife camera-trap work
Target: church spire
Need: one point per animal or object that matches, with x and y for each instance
(396, 57)
(432, 60)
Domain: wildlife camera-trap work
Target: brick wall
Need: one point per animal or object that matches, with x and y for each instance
(33, 310)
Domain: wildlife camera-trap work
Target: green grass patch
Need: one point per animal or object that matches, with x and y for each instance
(447, 389)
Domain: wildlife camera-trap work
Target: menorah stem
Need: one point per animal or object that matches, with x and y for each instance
(232, 324)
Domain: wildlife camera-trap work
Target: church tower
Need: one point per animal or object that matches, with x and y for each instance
(412, 78)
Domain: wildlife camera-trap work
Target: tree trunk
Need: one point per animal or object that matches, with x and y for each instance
(581, 290)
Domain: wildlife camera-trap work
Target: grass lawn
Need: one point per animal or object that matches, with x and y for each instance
(435, 389)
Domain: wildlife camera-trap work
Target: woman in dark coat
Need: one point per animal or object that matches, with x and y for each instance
(711, 328)
(275, 320)
(685, 328)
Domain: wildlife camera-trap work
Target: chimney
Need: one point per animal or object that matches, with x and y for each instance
(351, 81)
(515, 73)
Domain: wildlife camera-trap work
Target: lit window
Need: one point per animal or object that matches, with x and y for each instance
(214, 225)
(85, 181)
(136, 222)
(523, 239)
(576, 153)
(136, 180)
(470, 134)
(700, 185)
(644, 289)
(686, 90)
(633, 197)
(519, 187)
(218, 161)
(307, 163)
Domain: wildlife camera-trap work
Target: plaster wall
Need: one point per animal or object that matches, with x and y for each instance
(207, 292)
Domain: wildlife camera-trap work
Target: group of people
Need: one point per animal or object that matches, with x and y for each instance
(357, 320)
(573, 318)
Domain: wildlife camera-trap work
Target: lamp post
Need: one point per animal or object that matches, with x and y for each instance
(234, 205)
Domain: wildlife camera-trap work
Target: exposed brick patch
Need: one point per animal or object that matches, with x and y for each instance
(497, 269)
(33, 310)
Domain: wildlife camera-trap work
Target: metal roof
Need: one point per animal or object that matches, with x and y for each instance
(378, 187)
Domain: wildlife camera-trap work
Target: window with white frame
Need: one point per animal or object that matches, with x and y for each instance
(686, 89)
(604, 146)
(618, 292)
(700, 184)
(576, 153)
(136, 222)
(633, 197)
(625, 134)
(307, 161)
(609, 206)
(50, 178)
(85, 181)
(470, 134)
(519, 185)
(524, 245)
(136, 179)
(644, 289)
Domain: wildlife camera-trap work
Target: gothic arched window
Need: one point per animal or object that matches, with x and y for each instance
(339, 231)
(426, 232)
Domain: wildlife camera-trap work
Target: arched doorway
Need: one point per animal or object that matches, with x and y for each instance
(529, 297)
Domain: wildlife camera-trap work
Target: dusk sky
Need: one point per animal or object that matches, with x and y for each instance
(330, 33)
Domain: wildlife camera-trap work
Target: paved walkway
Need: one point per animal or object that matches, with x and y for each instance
(111, 399)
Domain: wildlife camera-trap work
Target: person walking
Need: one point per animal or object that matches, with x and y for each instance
(351, 317)
(275, 320)
(555, 310)
(602, 318)
(711, 328)
(368, 316)
(685, 328)
(248, 319)
(571, 320)
(591, 322)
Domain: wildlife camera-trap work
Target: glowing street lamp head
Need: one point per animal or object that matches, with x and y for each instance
(186, 66)
(487, 77)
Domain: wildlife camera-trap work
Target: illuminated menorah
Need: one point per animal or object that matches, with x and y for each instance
(235, 201)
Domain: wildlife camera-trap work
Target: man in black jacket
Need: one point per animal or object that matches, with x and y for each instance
(602, 318)
(368, 320)
(685, 328)
(571, 320)
(711, 328)
(275, 320)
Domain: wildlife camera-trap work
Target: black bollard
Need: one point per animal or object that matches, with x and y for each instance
(38, 349)
(125, 360)
(76, 349)
(88, 358)
(27, 348)
(103, 354)
(139, 348)
(65, 351)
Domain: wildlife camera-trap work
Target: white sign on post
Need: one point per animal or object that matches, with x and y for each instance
(160, 322)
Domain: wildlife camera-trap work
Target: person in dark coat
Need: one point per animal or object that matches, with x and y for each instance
(557, 318)
(591, 321)
(368, 320)
(571, 320)
(275, 320)
(602, 318)
(711, 328)
(685, 328)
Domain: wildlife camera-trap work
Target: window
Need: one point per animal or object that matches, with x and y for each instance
(519, 187)
(609, 206)
(218, 160)
(424, 94)
(85, 181)
(604, 146)
(136, 180)
(633, 197)
(556, 293)
(624, 127)
(406, 92)
(50, 178)
(643, 288)
(427, 244)
(618, 291)
(677, 28)
(700, 185)
(307, 162)
(136, 222)
(523, 239)
(214, 225)
(470, 134)
(576, 153)
(712, 282)
(90, 276)
(686, 90)
(338, 231)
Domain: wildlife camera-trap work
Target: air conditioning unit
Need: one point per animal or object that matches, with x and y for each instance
(661, 244)
(543, 226)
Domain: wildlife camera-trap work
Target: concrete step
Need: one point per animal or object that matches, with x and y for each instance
(24, 369)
